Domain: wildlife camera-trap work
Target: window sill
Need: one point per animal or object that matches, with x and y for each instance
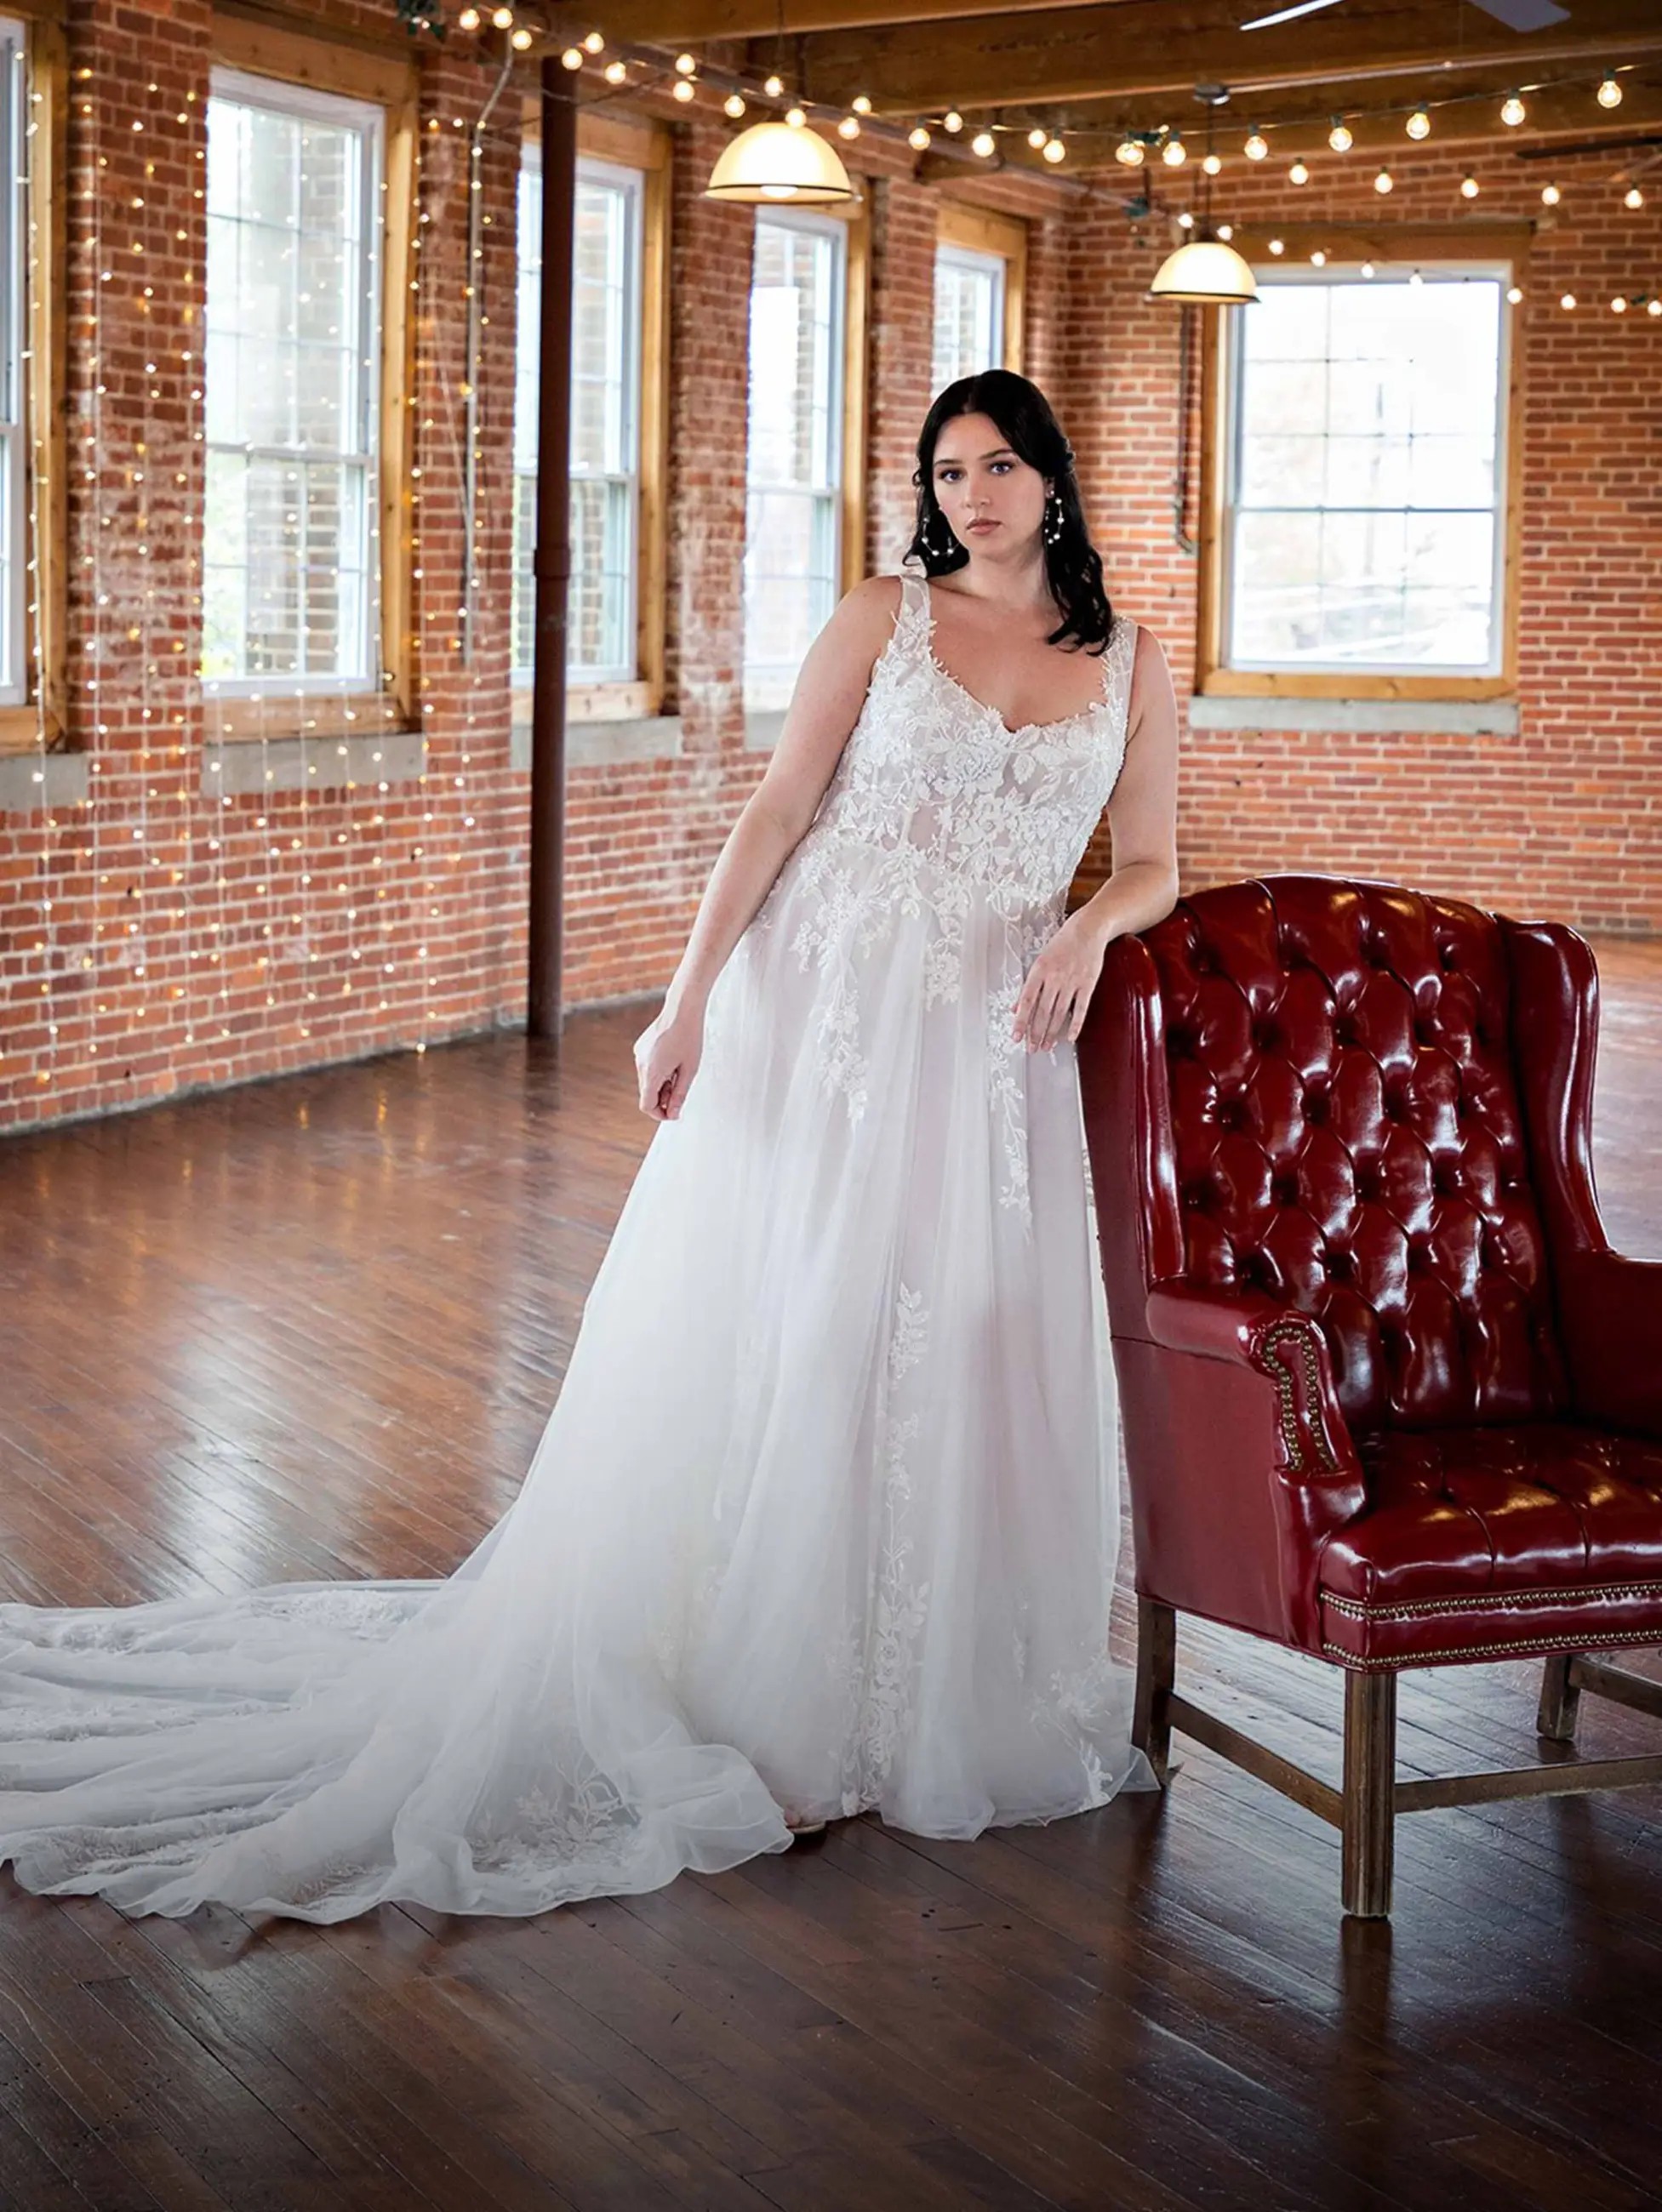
(238, 767)
(1462, 717)
(30, 784)
(604, 744)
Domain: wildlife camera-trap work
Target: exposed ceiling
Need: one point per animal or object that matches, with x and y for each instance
(1099, 69)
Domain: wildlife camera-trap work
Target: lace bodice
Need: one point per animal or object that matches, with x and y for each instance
(936, 779)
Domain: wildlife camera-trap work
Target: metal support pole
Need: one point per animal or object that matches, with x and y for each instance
(552, 559)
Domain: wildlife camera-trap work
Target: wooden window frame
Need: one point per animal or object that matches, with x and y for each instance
(629, 143)
(980, 230)
(353, 70)
(42, 716)
(1447, 247)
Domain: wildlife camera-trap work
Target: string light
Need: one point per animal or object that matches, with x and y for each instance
(848, 127)
(1633, 197)
(1212, 164)
(593, 43)
(1257, 146)
(1418, 125)
(1054, 150)
(1037, 136)
(686, 65)
(1276, 246)
(615, 72)
(951, 120)
(733, 104)
(1174, 152)
(1468, 188)
(774, 87)
(1384, 182)
(918, 137)
(1512, 110)
(684, 90)
(1131, 152)
(1298, 174)
(861, 104)
(1567, 299)
(982, 143)
(1339, 138)
(1609, 93)
(1551, 195)
(572, 58)
(1514, 293)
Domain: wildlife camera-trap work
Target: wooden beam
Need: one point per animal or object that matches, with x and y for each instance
(1137, 50)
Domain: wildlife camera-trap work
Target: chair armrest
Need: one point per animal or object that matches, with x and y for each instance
(1611, 1323)
(1242, 1465)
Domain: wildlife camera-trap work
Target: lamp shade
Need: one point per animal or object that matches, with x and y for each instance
(1207, 271)
(781, 162)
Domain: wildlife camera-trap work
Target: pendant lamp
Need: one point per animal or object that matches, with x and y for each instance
(1204, 269)
(780, 163)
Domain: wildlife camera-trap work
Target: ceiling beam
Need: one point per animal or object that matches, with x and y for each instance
(1140, 50)
(695, 22)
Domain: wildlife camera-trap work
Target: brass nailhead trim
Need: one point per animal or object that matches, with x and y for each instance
(1572, 1640)
(1355, 1608)
(1302, 1334)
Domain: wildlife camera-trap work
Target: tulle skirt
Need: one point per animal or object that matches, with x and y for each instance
(824, 1518)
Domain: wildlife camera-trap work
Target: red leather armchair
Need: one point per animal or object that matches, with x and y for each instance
(1389, 1397)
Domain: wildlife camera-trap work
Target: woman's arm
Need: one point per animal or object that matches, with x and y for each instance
(1143, 817)
(825, 702)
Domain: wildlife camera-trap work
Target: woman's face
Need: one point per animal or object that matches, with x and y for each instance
(991, 497)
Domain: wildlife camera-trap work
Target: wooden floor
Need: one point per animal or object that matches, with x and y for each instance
(314, 1327)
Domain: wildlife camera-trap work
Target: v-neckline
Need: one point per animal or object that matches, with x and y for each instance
(984, 705)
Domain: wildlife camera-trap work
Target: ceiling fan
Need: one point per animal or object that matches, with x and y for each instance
(1517, 15)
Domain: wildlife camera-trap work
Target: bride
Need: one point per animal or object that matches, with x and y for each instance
(825, 1520)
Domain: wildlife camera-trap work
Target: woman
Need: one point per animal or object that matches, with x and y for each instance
(825, 1519)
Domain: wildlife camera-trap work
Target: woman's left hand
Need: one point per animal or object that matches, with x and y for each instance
(1057, 992)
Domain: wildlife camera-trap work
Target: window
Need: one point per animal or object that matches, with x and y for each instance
(798, 373)
(605, 419)
(290, 576)
(980, 278)
(969, 312)
(13, 420)
(1361, 526)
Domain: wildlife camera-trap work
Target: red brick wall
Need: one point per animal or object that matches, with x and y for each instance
(248, 969)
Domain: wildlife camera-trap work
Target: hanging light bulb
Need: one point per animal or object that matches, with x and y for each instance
(686, 65)
(1055, 150)
(572, 58)
(1257, 146)
(848, 127)
(1212, 164)
(733, 104)
(1566, 299)
(1551, 195)
(1185, 221)
(468, 19)
(1414, 277)
(593, 42)
(1276, 246)
(1368, 268)
(684, 88)
(796, 118)
(615, 72)
(861, 103)
(951, 120)
(1468, 188)
(1514, 293)
(982, 143)
(918, 137)
(1653, 306)
(1618, 306)
(1174, 152)
(1319, 259)
(521, 40)
(1339, 138)
(1384, 181)
(773, 86)
(1609, 93)
(1512, 110)
(1131, 151)
(1298, 174)
(1418, 125)
(1633, 197)
(1037, 136)
(1225, 232)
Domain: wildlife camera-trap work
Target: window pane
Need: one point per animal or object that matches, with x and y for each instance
(606, 338)
(290, 342)
(1365, 514)
(794, 458)
(969, 314)
(14, 526)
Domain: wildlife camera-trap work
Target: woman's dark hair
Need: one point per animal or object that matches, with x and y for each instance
(1023, 414)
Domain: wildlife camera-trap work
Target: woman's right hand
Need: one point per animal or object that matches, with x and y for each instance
(667, 1055)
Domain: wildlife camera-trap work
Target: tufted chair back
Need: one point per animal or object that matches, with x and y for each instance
(1343, 1131)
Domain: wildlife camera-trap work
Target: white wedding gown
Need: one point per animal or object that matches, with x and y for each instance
(825, 1516)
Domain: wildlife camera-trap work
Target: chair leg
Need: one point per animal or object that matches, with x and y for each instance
(1157, 1661)
(1370, 1783)
(1560, 1700)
